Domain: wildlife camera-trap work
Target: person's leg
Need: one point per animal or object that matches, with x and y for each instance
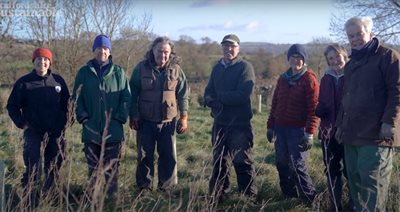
(31, 155)
(375, 165)
(332, 155)
(282, 162)
(166, 157)
(220, 171)
(239, 144)
(112, 155)
(298, 161)
(92, 154)
(353, 174)
(53, 157)
(146, 142)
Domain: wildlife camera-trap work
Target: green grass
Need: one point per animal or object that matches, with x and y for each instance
(194, 152)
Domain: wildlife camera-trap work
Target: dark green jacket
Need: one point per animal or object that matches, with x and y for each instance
(97, 96)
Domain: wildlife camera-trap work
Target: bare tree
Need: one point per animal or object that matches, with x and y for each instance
(385, 14)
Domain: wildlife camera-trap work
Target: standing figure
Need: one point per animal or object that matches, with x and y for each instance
(330, 96)
(159, 93)
(38, 104)
(228, 94)
(293, 122)
(368, 123)
(102, 98)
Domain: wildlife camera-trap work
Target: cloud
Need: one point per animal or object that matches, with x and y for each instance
(227, 26)
(208, 3)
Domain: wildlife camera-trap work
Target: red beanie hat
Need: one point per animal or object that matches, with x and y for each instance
(42, 52)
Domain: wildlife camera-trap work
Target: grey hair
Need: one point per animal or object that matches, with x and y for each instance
(365, 22)
(173, 58)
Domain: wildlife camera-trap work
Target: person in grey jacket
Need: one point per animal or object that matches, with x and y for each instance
(368, 123)
(228, 95)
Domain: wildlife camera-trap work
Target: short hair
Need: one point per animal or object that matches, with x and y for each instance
(365, 22)
(338, 49)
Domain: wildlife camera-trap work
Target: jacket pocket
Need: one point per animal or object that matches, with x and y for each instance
(147, 83)
(170, 85)
(170, 109)
(146, 109)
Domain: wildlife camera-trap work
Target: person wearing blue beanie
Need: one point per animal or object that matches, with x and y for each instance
(297, 49)
(102, 40)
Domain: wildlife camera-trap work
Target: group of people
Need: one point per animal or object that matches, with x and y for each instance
(357, 104)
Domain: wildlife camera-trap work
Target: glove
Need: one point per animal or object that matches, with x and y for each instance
(212, 102)
(307, 142)
(387, 132)
(182, 125)
(271, 135)
(321, 111)
(134, 123)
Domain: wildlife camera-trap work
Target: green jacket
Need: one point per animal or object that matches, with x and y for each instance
(97, 96)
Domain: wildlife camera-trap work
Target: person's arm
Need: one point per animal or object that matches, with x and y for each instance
(124, 99)
(392, 83)
(14, 105)
(134, 84)
(182, 93)
(81, 113)
(271, 117)
(312, 93)
(242, 93)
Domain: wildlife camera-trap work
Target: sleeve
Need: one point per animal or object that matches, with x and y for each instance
(15, 104)
(124, 99)
(312, 93)
(78, 97)
(182, 93)
(64, 103)
(392, 83)
(271, 117)
(243, 91)
(321, 109)
(210, 90)
(134, 84)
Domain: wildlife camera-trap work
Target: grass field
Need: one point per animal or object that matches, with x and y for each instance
(194, 168)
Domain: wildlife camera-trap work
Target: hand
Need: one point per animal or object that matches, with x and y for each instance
(271, 135)
(182, 125)
(212, 102)
(387, 132)
(307, 142)
(134, 123)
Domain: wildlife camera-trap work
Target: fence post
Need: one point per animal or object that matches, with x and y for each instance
(259, 102)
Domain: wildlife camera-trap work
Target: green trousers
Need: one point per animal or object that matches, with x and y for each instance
(368, 169)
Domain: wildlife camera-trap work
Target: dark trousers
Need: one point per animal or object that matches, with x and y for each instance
(53, 147)
(149, 136)
(232, 144)
(292, 163)
(110, 165)
(333, 155)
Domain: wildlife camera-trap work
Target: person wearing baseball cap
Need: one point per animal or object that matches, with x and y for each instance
(228, 95)
(102, 95)
(38, 104)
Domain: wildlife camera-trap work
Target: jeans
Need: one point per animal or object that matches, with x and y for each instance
(292, 163)
(232, 144)
(150, 135)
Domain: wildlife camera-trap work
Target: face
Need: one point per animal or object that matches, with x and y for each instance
(101, 54)
(335, 60)
(230, 51)
(41, 64)
(161, 53)
(358, 36)
(296, 62)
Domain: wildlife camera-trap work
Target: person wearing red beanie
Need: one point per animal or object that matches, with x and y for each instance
(38, 104)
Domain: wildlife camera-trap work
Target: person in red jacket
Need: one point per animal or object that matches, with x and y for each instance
(330, 96)
(292, 122)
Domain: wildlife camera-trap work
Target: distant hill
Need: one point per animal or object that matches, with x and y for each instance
(275, 49)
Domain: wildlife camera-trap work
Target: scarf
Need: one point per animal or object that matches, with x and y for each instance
(369, 47)
(293, 78)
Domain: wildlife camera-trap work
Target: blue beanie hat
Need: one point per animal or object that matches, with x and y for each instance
(297, 49)
(102, 40)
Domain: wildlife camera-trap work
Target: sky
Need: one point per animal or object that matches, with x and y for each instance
(273, 21)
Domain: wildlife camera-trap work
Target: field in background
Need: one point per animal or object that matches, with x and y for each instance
(194, 169)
